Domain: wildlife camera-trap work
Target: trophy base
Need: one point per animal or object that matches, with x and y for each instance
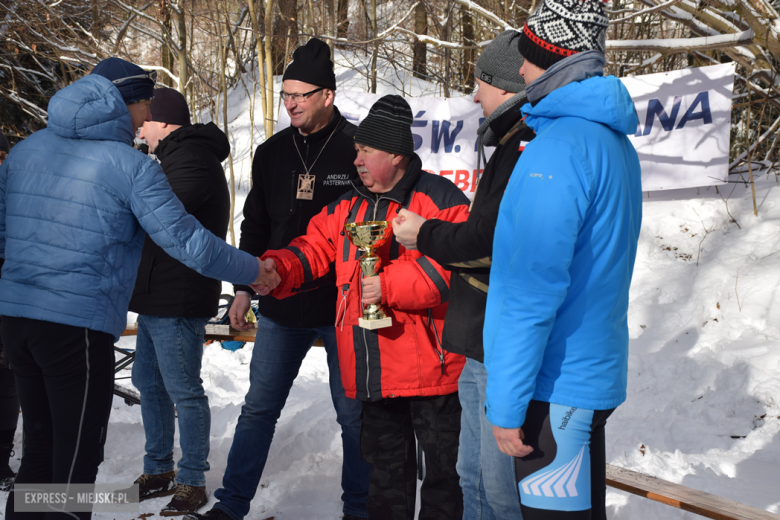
(375, 324)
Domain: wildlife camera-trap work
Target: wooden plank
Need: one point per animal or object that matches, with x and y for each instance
(247, 336)
(683, 497)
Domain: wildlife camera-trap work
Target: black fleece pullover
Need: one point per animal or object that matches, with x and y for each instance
(471, 242)
(273, 216)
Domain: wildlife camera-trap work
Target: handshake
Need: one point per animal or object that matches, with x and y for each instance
(267, 279)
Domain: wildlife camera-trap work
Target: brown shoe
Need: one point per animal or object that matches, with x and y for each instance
(187, 499)
(153, 486)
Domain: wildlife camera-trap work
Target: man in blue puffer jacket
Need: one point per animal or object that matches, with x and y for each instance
(556, 334)
(76, 201)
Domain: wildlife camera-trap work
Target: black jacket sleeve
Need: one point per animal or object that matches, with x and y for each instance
(450, 243)
(469, 241)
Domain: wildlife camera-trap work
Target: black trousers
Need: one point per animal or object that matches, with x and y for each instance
(549, 432)
(65, 378)
(9, 398)
(387, 442)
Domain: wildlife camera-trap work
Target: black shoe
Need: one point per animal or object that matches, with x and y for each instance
(7, 475)
(153, 486)
(187, 499)
(212, 514)
(348, 516)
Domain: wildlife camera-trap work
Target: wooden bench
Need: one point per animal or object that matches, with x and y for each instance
(683, 497)
(247, 336)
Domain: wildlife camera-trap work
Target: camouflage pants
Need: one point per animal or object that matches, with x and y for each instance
(387, 442)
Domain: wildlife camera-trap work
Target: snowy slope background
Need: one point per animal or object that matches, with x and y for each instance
(703, 404)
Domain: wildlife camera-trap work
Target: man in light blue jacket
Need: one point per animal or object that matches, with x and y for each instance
(76, 201)
(556, 334)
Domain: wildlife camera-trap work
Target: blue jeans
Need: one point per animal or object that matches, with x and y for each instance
(276, 359)
(166, 372)
(487, 476)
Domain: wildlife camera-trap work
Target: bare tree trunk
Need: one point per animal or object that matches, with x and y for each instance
(165, 50)
(261, 79)
(467, 65)
(269, 112)
(288, 25)
(183, 70)
(332, 27)
(95, 20)
(343, 18)
(420, 51)
(376, 46)
(223, 88)
(447, 30)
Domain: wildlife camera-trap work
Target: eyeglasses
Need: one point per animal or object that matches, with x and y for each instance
(150, 75)
(298, 98)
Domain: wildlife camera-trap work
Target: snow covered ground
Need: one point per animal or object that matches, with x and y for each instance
(703, 404)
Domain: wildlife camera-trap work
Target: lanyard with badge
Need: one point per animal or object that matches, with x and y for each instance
(306, 180)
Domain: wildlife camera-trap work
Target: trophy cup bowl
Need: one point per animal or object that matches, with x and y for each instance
(368, 236)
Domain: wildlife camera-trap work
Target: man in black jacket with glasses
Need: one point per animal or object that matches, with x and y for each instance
(295, 174)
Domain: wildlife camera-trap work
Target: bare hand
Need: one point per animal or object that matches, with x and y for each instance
(268, 279)
(372, 290)
(406, 226)
(238, 310)
(510, 441)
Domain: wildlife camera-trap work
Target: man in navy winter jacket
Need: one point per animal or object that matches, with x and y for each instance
(556, 334)
(76, 201)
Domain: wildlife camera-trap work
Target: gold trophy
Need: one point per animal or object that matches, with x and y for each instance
(368, 236)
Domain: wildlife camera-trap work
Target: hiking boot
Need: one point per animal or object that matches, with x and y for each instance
(7, 475)
(212, 514)
(187, 499)
(153, 486)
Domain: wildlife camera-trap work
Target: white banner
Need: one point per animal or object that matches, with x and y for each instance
(684, 126)
(684, 144)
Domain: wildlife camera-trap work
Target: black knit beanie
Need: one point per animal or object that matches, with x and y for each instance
(500, 62)
(170, 106)
(311, 64)
(388, 126)
(561, 28)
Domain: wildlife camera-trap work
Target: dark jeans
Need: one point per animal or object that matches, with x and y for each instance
(276, 359)
(387, 442)
(166, 370)
(65, 378)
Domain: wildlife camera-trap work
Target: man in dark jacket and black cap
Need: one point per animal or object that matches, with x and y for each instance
(174, 304)
(485, 472)
(295, 174)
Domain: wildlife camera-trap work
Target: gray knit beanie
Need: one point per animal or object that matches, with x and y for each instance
(500, 62)
(388, 126)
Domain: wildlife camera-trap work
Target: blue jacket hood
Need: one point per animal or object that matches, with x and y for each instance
(91, 108)
(599, 99)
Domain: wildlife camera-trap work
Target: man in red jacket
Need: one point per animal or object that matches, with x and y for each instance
(407, 382)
